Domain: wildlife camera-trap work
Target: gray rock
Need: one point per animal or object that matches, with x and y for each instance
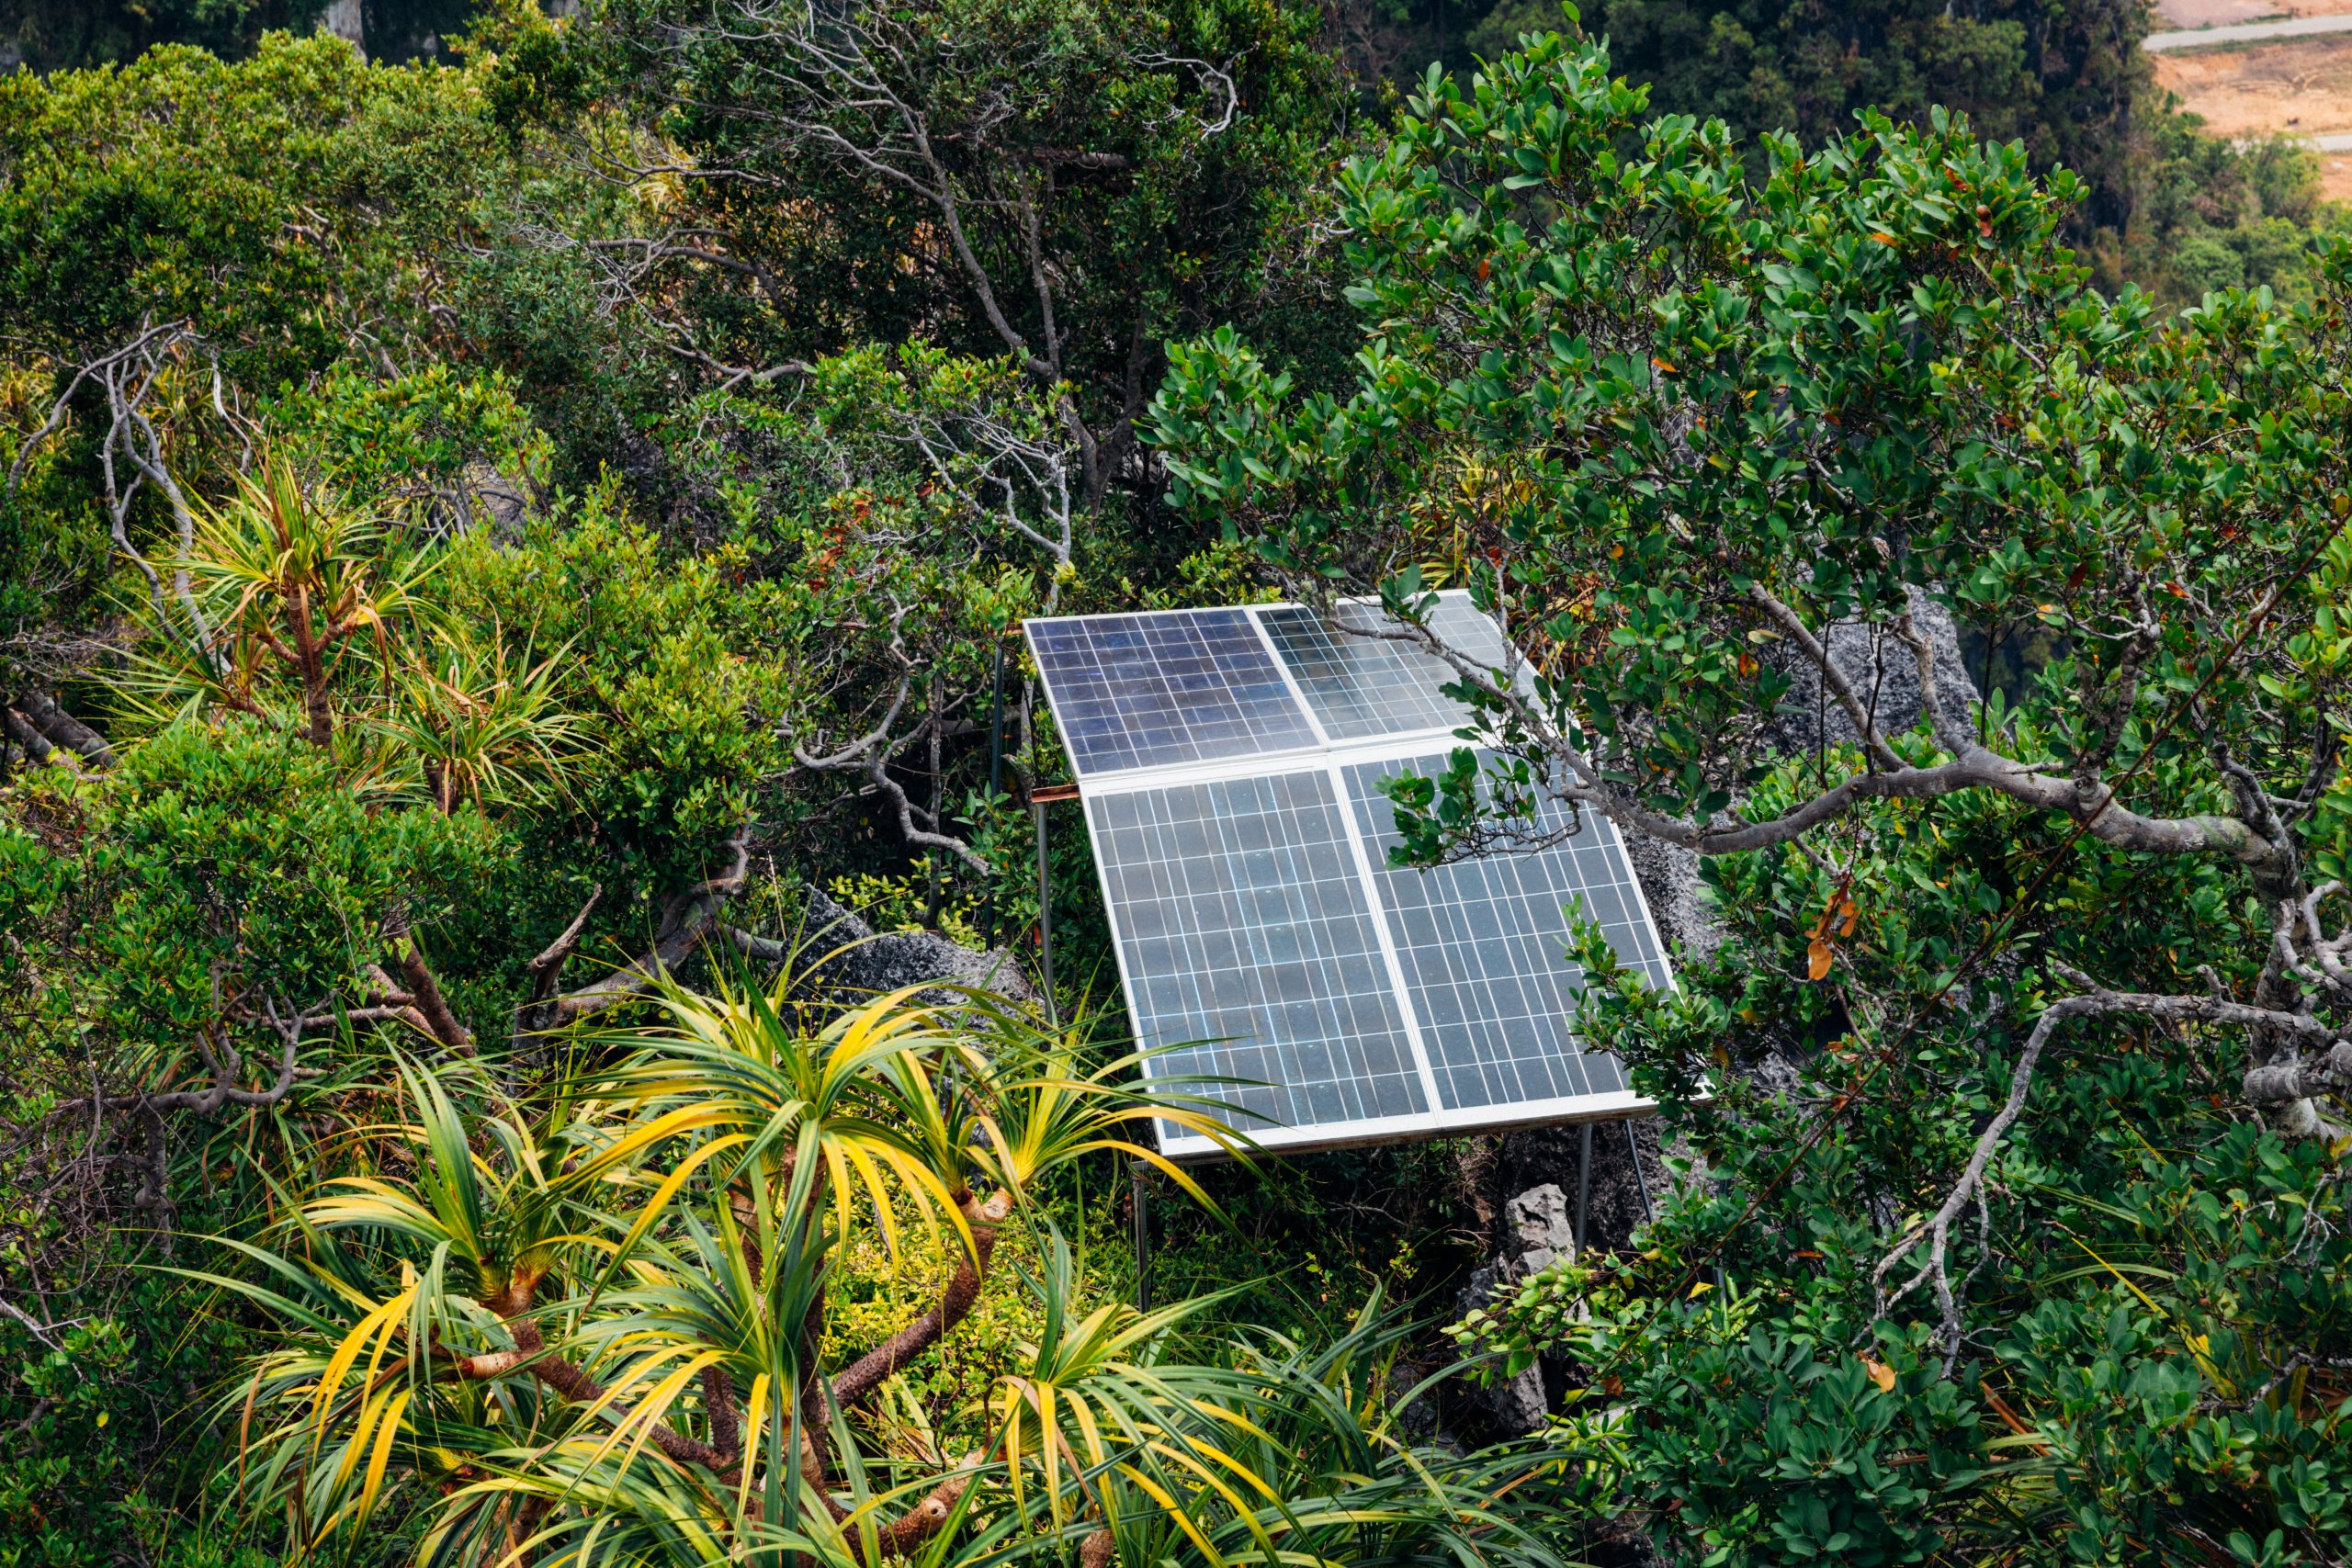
(342, 19)
(854, 961)
(1668, 875)
(1520, 1405)
(1538, 1220)
(499, 499)
(1885, 674)
(1542, 1156)
(1774, 1073)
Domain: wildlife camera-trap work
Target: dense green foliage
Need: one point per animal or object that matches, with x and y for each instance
(1680, 418)
(482, 544)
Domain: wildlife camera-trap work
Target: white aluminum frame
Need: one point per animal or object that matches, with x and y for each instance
(1332, 758)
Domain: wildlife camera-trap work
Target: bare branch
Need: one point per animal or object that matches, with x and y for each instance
(1793, 626)
(686, 920)
(440, 1021)
(2098, 1001)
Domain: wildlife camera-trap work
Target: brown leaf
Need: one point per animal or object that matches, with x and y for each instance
(1817, 955)
(1881, 1374)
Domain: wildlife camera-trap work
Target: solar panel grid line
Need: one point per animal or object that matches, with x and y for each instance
(1380, 1003)
(1155, 688)
(1241, 929)
(1451, 919)
(1164, 1133)
(1357, 686)
(1486, 947)
(1360, 681)
(1389, 748)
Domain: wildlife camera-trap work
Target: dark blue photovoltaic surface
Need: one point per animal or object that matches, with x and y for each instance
(1484, 946)
(1247, 942)
(1363, 686)
(1263, 939)
(1188, 686)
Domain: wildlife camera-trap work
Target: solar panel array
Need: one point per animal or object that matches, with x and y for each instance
(1145, 690)
(1232, 763)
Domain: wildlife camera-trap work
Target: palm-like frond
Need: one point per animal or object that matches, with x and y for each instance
(288, 571)
(467, 720)
(591, 1334)
(282, 586)
(848, 1115)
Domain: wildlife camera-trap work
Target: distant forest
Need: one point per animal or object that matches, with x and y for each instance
(2165, 206)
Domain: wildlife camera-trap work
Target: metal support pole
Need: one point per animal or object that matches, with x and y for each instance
(1139, 1209)
(1649, 1214)
(1044, 914)
(996, 763)
(930, 857)
(1584, 1187)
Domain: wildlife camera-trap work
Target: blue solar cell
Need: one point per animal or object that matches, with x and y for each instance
(1361, 682)
(1484, 947)
(1246, 942)
(1145, 690)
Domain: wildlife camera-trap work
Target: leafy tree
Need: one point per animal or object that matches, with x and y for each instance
(2155, 1300)
(606, 1338)
(48, 36)
(1066, 185)
(2068, 80)
(2216, 215)
(183, 239)
(2021, 1161)
(1676, 435)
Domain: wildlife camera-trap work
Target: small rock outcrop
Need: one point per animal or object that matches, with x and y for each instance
(1884, 675)
(1550, 1158)
(1668, 875)
(1538, 1231)
(1538, 1221)
(851, 961)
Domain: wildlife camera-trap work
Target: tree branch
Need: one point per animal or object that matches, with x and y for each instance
(440, 1022)
(686, 920)
(2097, 1001)
(866, 1373)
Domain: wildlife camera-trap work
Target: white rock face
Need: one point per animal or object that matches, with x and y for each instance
(342, 19)
(1538, 1218)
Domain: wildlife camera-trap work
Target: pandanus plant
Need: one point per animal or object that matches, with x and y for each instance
(593, 1331)
(291, 579)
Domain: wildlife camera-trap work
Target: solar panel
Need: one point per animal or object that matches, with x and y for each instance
(1232, 762)
(1484, 946)
(1362, 686)
(1150, 690)
(1244, 930)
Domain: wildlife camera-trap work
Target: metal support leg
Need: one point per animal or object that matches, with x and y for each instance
(1139, 1213)
(996, 766)
(1584, 1187)
(1045, 917)
(1633, 1147)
